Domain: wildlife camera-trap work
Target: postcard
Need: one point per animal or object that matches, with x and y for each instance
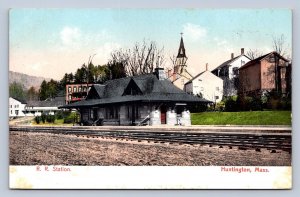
(150, 98)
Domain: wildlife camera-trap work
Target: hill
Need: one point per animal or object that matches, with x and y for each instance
(26, 80)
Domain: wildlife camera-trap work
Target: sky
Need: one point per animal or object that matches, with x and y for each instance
(52, 42)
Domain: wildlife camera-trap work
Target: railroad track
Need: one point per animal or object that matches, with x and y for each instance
(243, 141)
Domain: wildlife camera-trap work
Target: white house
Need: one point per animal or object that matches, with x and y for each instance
(206, 84)
(229, 72)
(16, 108)
(48, 106)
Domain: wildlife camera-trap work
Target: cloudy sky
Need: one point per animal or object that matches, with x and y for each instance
(51, 42)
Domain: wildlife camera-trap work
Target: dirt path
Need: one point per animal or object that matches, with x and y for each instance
(51, 149)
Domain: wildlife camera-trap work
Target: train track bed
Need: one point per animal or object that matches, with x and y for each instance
(241, 140)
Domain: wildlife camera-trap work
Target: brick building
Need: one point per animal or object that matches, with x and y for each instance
(266, 73)
(76, 92)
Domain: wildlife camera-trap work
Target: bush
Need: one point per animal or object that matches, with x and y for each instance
(71, 118)
(198, 108)
(62, 114)
(50, 118)
(43, 118)
(37, 119)
(220, 106)
(231, 104)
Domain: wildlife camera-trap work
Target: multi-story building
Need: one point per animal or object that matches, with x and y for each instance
(16, 107)
(206, 85)
(229, 72)
(76, 92)
(266, 73)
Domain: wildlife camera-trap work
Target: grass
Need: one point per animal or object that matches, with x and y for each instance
(242, 118)
(56, 123)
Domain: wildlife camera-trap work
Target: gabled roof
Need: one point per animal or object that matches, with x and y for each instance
(56, 102)
(261, 58)
(229, 62)
(153, 90)
(21, 101)
(195, 77)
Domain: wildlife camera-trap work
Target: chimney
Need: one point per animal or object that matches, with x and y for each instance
(206, 67)
(160, 73)
(242, 51)
(232, 55)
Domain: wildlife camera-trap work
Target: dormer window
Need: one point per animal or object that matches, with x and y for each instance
(132, 89)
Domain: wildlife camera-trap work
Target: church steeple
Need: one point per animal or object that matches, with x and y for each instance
(181, 58)
(181, 50)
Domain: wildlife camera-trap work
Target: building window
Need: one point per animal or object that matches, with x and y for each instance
(242, 62)
(216, 97)
(17, 112)
(235, 70)
(112, 113)
(91, 114)
(70, 96)
(69, 89)
(217, 88)
(199, 79)
(10, 106)
(201, 88)
(84, 88)
(10, 111)
(75, 89)
(79, 89)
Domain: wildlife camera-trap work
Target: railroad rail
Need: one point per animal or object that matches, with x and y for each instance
(243, 141)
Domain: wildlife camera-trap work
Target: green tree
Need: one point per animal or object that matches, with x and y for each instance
(48, 89)
(43, 94)
(116, 70)
(16, 91)
(32, 94)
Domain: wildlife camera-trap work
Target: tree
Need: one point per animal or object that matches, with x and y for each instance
(16, 91)
(141, 59)
(253, 54)
(48, 89)
(279, 45)
(43, 94)
(116, 70)
(32, 94)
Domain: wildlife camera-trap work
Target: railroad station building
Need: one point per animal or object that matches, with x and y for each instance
(149, 99)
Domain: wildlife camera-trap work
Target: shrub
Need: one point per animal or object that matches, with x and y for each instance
(43, 118)
(50, 118)
(62, 114)
(198, 108)
(220, 106)
(37, 119)
(71, 118)
(231, 104)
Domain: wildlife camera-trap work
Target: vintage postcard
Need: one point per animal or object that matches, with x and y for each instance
(150, 98)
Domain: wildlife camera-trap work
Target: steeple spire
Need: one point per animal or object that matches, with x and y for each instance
(181, 50)
(181, 58)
